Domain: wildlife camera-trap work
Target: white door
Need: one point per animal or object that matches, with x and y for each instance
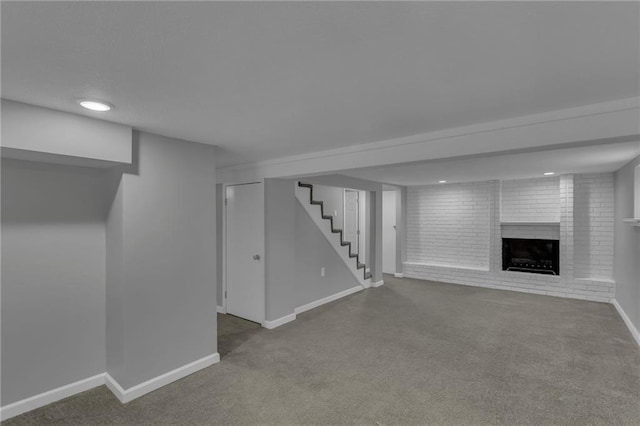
(363, 224)
(245, 251)
(351, 219)
(389, 232)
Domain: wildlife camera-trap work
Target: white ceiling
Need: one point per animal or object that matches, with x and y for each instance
(263, 80)
(586, 159)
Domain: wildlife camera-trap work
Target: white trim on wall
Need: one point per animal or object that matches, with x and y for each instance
(377, 283)
(221, 310)
(300, 309)
(127, 395)
(123, 395)
(40, 400)
(270, 325)
(327, 299)
(398, 275)
(632, 328)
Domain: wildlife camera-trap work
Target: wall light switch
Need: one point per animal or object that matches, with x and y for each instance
(322, 272)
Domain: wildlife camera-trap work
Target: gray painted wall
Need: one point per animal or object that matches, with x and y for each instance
(280, 246)
(375, 229)
(312, 252)
(53, 276)
(295, 251)
(374, 215)
(333, 199)
(114, 272)
(167, 301)
(627, 245)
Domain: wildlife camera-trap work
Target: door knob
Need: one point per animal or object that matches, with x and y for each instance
(256, 257)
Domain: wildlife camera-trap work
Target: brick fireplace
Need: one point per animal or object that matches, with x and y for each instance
(455, 233)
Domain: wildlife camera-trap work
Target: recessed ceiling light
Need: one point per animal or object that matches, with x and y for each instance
(95, 105)
(442, 181)
(549, 173)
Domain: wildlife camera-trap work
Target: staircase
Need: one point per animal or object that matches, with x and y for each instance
(364, 277)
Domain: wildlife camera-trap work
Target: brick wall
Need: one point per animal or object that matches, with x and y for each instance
(593, 225)
(449, 224)
(531, 200)
(473, 212)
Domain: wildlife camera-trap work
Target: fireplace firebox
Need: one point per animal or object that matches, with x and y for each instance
(531, 255)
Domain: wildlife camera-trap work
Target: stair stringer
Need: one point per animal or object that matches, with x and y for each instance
(302, 195)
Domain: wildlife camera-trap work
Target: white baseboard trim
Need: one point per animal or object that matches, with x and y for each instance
(127, 395)
(114, 387)
(278, 322)
(398, 275)
(632, 328)
(291, 317)
(328, 299)
(48, 397)
(377, 284)
(221, 310)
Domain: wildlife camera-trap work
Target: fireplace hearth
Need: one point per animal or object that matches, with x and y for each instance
(531, 255)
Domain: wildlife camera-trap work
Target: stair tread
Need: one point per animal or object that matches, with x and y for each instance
(367, 275)
(361, 265)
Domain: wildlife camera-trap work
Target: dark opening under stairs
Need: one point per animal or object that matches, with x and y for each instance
(340, 232)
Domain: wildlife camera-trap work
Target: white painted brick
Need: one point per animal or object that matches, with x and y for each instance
(454, 233)
(531, 200)
(594, 222)
(450, 224)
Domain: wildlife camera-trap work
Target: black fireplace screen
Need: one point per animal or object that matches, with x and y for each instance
(530, 255)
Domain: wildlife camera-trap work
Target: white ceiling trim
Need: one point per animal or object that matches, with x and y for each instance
(605, 120)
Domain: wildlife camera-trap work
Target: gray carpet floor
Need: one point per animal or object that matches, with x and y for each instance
(410, 352)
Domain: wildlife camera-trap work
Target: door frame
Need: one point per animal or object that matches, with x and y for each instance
(395, 228)
(362, 240)
(224, 246)
(359, 215)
